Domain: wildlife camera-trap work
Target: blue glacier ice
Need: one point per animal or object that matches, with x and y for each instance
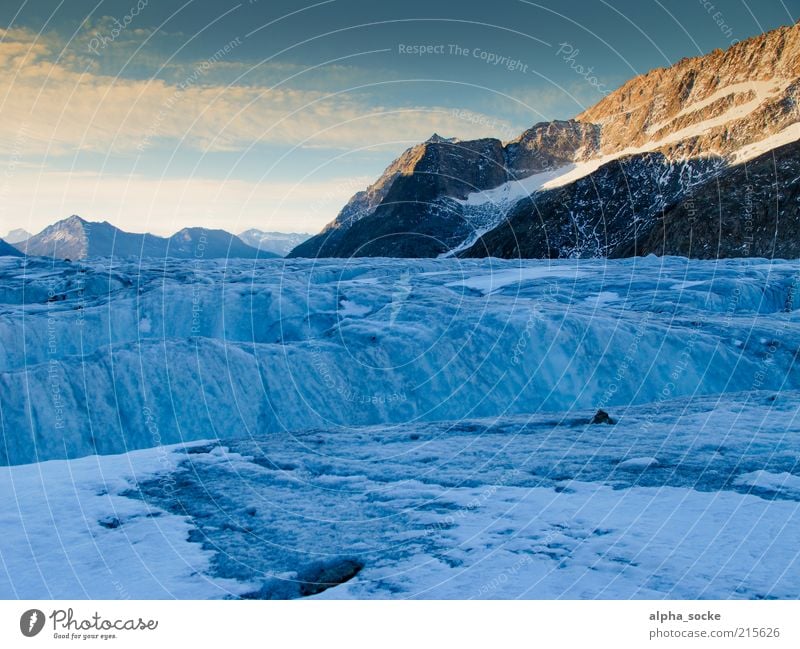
(400, 429)
(99, 359)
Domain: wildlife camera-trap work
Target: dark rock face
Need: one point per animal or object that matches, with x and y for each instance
(750, 210)
(646, 205)
(403, 228)
(452, 169)
(400, 215)
(550, 145)
(7, 250)
(410, 211)
(604, 214)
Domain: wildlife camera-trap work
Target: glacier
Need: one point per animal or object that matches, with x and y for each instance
(101, 358)
(543, 506)
(377, 428)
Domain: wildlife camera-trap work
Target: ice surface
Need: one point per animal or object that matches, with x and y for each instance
(636, 463)
(542, 506)
(777, 483)
(99, 359)
(66, 532)
(494, 281)
(400, 429)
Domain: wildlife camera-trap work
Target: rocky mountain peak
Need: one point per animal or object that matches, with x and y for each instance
(436, 138)
(549, 145)
(719, 102)
(76, 238)
(671, 130)
(17, 235)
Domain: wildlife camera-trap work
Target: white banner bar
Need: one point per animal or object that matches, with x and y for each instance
(404, 624)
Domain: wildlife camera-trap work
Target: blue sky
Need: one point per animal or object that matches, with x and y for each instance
(159, 114)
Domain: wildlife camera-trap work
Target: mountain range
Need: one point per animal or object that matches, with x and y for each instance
(279, 243)
(76, 238)
(17, 236)
(698, 159)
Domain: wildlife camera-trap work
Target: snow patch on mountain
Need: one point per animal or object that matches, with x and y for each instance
(762, 90)
(514, 190)
(786, 136)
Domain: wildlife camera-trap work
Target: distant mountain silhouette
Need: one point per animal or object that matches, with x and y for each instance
(281, 243)
(76, 238)
(17, 235)
(7, 250)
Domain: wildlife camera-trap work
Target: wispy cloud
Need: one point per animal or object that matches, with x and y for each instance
(66, 105)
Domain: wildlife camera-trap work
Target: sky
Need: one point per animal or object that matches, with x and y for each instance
(160, 114)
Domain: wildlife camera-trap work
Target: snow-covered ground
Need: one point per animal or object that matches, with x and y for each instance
(400, 428)
(691, 498)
